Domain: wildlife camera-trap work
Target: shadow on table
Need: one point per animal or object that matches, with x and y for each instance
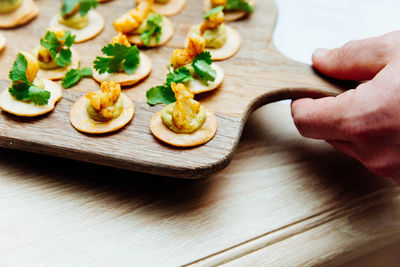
(265, 135)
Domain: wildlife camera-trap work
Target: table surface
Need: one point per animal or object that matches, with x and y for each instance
(310, 205)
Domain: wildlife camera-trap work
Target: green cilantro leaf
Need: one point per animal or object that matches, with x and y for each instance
(163, 94)
(160, 95)
(181, 75)
(21, 88)
(60, 50)
(38, 96)
(119, 57)
(214, 11)
(242, 5)
(18, 70)
(84, 6)
(202, 66)
(206, 56)
(20, 91)
(50, 42)
(68, 39)
(64, 58)
(73, 76)
(153, 28)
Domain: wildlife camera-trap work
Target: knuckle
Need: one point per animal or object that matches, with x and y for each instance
(358, 131)
(346, 50)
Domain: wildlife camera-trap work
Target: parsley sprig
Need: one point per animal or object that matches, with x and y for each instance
(84, 6)
(201, 65)
(242, 5)
(60, 49)
(119, 57)
(21, 88)
(153, 28)
(74, 76)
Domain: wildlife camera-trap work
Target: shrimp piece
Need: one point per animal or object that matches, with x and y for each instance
(218, 2)
(212, 22)
(44, 54)
(182, 57)
(121, 39)
(186, 108)
(32, 68)
(131, 20)
(104, 101)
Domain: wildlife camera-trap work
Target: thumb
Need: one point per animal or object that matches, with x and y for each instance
(357, 60)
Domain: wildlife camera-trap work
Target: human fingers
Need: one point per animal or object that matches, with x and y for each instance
(358, 60)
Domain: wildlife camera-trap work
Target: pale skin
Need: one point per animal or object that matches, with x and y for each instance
(364, 122)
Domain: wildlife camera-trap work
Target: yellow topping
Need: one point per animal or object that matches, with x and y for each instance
(218, 2)
(121, 39)
(104, 102)
(182, 57)
(186, 109)
(212, 22)
(32, 68)
(131, 20)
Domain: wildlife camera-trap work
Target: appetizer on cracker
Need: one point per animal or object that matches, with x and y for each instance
(79, 17)
(124, 63)
(143, 27)
(14, 13)
(184, 123)
(55, 55)
(234, 9)
(103, 111)
(29, 95)
(192, 66)
(221, 40)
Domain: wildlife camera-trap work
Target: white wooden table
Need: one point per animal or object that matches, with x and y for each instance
(308, 205)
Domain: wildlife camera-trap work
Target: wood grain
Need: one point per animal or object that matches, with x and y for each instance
(284, 199)
(257, 75)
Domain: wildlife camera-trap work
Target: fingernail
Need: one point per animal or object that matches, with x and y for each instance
(320, 52)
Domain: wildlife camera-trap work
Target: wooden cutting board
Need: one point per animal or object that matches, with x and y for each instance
(256, 76)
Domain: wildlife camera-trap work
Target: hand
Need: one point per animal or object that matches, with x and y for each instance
(363, 123)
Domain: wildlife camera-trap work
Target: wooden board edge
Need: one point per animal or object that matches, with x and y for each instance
(197, 172)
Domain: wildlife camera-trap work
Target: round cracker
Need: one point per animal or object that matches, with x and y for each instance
(229, 15)
(59, 73)
(229, 49)
(125, 79)
(206, 132)
(94, 28)
(25, 13)
(197, 86)
(81, 121)
(3, 42)
(171, 8)
(28, 109)
(166, 35)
